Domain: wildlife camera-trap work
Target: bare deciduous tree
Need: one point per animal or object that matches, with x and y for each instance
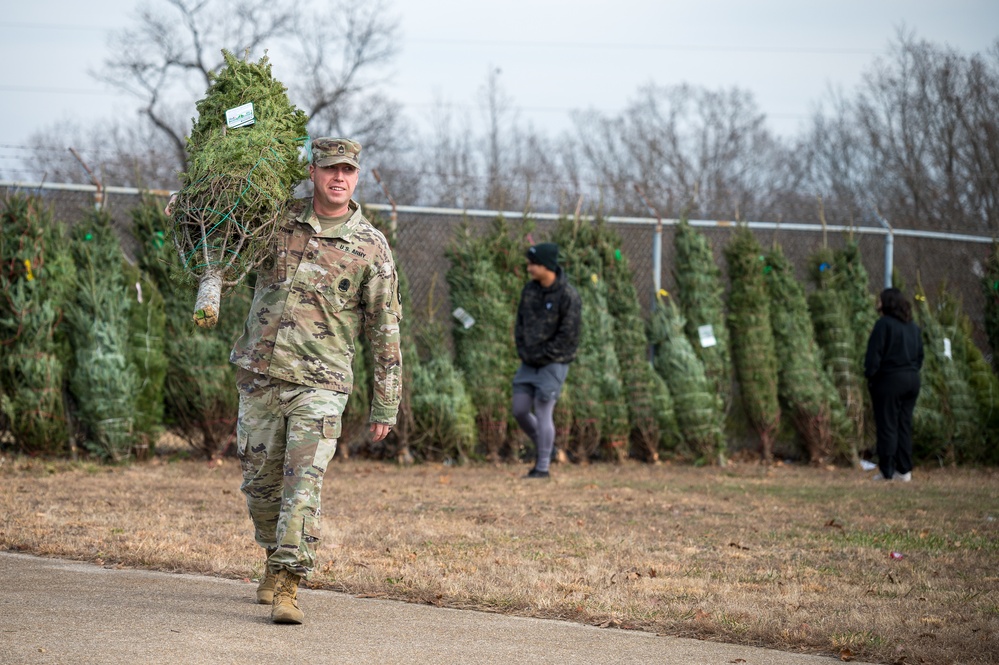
(330, 60)
(120, 153)
(342, 54)
(164, 59)
(919, 141)
(687, 148)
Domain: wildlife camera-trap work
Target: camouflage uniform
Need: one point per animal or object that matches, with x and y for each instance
(314, 293)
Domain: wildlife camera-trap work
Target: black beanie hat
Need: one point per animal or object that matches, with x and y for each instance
(544, 254)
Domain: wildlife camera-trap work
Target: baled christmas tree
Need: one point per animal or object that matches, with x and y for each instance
(753, 349)
(243, 165)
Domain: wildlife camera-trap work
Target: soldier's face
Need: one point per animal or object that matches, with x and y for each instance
(334, 187)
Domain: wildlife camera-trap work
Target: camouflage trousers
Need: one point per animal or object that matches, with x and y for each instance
(286, 436)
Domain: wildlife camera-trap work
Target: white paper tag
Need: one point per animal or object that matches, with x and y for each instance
(947, 353)
(707, 335)
(240, 116)
(465, 318)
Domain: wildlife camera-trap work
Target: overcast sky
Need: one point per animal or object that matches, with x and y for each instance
(554, 56)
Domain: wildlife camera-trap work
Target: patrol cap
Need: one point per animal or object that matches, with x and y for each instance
(328, 151)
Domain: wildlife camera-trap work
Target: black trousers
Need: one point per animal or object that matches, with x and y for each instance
(894, 399)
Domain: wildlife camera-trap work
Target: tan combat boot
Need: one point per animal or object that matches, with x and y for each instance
(284, 609)
(265, 590)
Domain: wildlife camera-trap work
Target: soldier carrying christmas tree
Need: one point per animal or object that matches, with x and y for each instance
(328, 276)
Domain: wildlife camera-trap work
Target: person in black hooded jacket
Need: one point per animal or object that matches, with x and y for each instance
(892, 364)
(547, 336)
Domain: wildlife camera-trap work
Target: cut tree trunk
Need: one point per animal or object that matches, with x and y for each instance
(206, 306)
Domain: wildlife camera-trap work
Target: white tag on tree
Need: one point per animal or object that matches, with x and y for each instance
(240, 116)
(465, 318)
(707, 335)
(947, 353)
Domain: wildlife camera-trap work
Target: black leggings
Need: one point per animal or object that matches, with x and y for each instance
(539, 425)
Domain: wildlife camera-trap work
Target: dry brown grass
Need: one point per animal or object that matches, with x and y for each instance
(794, 558)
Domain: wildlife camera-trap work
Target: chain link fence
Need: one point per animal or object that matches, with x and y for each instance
(939, 262)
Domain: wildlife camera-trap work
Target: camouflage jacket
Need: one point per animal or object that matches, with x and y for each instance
(315, 292)
(548, 323)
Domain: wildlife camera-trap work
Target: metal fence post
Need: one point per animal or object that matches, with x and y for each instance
(657, 248)
(889, 247)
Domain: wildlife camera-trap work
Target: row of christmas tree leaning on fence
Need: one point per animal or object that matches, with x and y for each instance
(101, 354)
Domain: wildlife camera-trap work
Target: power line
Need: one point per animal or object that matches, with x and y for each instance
(60, 91)
(52, 26)
(657, 47)
(620, 46)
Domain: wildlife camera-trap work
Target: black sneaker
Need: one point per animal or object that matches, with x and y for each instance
(534, 473)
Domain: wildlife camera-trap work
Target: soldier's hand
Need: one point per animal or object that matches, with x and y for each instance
(379, 431)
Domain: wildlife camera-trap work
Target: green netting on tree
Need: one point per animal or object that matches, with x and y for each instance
(836, 336)
(146, 353)
(443, 410)
(505, 244)
(200, 401)
(851, 278)
(947, 427)
(485, 351)
(582, 387)
(852, 281)
(643, 396)
(103, 382)
(596, 360)
(238, 179)
(588, 254)
(700, 293)
(749, 324)
(36, 275)
(696, 405)
(981, 379)
(990, 290)
(669, 429)
(804, 388)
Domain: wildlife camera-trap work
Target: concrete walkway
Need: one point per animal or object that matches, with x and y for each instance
(68, 613)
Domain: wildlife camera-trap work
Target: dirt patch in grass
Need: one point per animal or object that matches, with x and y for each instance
(797, 559)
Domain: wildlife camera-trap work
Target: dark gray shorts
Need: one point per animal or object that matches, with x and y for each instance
(543, 383)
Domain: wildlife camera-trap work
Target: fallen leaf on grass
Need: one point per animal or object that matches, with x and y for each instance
(738, 546)
(845, 655)
(834, 524)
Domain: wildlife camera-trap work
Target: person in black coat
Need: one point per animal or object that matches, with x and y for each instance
(547, 337)
(892, 364)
